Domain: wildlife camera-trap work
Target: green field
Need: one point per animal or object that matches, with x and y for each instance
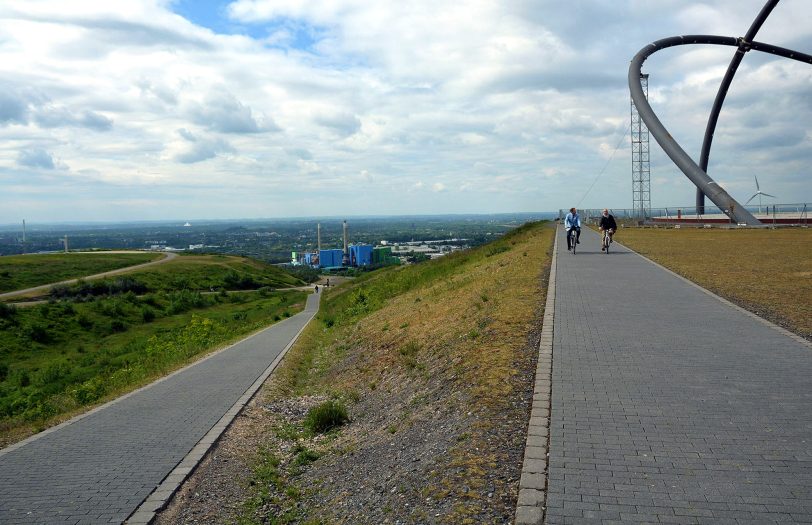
(25, 271)
(766, 271)
(192, 272)
(206, 272)
(60, 356)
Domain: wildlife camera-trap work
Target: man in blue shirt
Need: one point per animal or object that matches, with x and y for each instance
(573, 221)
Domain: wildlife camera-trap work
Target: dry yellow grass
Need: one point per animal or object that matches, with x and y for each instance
(766, 271)
(455, 348)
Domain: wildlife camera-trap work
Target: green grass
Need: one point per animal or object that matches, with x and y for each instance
(211, 272)
(326, 416)
(58, 357)
(25, 271)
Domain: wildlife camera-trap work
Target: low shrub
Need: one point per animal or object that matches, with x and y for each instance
(37, 333)
(326, 416)
(7, 311)
(147, 314)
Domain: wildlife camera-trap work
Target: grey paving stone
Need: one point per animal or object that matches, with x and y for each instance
(527, 515)
(108, 462)
(530, 497)
(687, 409)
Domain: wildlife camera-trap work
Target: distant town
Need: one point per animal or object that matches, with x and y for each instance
(273, 240)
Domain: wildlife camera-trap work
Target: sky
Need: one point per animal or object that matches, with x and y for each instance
(158, 109)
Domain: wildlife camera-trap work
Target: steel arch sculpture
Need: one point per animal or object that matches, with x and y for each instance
(698, 173)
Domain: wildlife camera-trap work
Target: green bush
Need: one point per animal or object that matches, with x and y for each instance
(147, 314)
(325, 417)
(495, 250)
(84, 321)
(37, 333)
(7, 311)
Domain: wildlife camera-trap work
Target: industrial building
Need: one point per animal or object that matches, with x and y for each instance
(355, 255)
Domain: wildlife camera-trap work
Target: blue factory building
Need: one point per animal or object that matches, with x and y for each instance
(330, 258)
(360, 255)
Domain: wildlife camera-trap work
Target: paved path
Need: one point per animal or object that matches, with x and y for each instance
(668, 405)
(100, 468)
(167, 256)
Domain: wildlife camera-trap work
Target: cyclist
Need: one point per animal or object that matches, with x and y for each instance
(607, 225)
(573, 221)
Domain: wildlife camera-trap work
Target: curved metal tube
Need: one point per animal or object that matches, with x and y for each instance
(684, 162)
(713, 118)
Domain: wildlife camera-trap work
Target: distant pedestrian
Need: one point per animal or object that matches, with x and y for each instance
(328, 282)
(317, 288)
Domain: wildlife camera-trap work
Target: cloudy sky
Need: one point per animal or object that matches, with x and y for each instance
(185, 109)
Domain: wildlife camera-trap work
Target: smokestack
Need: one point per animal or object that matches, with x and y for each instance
(318, 236)
(23, 236)
(66, 244)
(346, 259)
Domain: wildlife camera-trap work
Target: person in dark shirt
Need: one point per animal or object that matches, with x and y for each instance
(607, 225)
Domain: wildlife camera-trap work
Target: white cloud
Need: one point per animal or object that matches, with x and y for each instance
(517, 102)
(36, 158)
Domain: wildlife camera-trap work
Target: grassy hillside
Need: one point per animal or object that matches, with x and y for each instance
(58, 357)
(435, 364)
(190, 272)
(25, 271)
(766, 271)
(203, 272)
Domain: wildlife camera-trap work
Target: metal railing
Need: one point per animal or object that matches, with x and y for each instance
(774, 214)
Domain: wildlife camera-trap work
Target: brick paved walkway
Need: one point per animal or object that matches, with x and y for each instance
(100, 468)
(669, 406)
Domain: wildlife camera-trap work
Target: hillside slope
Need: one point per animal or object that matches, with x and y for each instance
(25, 271)
(435, 363)
(95, 340)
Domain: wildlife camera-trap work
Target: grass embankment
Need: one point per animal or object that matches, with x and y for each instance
(766, 271)
(435, 362)
(26, 271)
(206, 272)
(58, 357)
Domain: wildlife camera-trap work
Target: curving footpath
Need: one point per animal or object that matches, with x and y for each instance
(167, 256)
(668, 403)
(102, 466)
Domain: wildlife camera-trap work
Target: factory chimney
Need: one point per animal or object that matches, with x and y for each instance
(66, 244)
(345, 260)
(318, 236)
(23, 236)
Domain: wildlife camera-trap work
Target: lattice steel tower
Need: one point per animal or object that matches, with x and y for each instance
(641, 171)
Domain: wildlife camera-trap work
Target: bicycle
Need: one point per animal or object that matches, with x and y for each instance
(572, 239)
(606, 240)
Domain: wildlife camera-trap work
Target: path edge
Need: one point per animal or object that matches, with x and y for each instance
(79, 417)
(726, 302)
(157, 500)
(532, 500)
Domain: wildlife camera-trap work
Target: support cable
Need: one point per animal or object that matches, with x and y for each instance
(622, 138)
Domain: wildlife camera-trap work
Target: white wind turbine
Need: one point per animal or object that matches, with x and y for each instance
(758, 194)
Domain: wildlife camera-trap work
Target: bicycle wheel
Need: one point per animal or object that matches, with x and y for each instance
(606, 243)
(573, 240)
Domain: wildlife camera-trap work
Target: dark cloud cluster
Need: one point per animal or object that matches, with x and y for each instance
(36, 158)
(224, 113)
(199, 148)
